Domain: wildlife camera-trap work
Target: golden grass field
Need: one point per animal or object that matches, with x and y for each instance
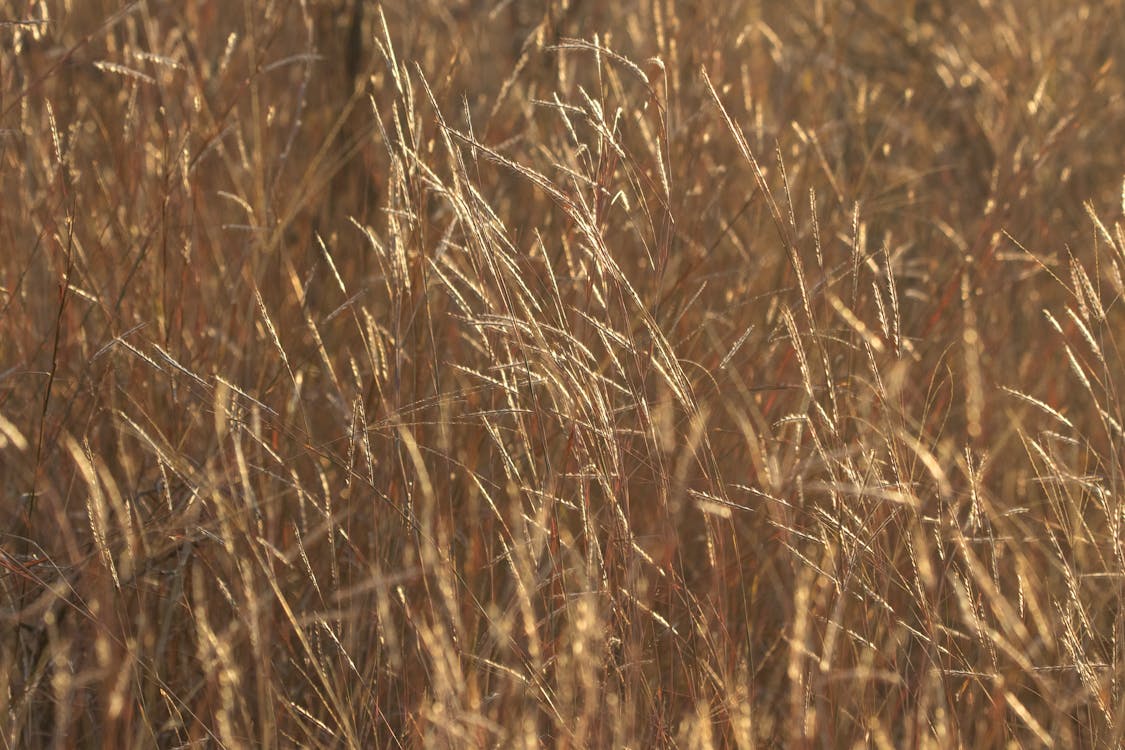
(562, 373)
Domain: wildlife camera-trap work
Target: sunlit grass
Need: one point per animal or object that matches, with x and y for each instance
(574, 374)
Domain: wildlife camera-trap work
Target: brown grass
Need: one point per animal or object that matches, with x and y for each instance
(574, 374)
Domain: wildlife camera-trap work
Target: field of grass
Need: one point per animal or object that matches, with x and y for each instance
(562, 373)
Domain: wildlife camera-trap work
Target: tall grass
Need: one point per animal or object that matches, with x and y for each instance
(572, 374)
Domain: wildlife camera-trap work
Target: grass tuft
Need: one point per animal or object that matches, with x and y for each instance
(561, 373)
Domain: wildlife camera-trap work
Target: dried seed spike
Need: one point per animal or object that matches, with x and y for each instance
(815, 228)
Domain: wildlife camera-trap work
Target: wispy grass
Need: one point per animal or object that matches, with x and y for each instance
(561, 374)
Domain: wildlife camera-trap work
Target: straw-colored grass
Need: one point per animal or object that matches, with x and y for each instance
(529, 373)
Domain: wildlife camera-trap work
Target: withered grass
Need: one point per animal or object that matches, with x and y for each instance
(552, 373)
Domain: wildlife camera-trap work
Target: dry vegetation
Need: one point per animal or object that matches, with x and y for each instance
(572, 374)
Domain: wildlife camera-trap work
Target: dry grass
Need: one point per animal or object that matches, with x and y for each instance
(572, 374)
